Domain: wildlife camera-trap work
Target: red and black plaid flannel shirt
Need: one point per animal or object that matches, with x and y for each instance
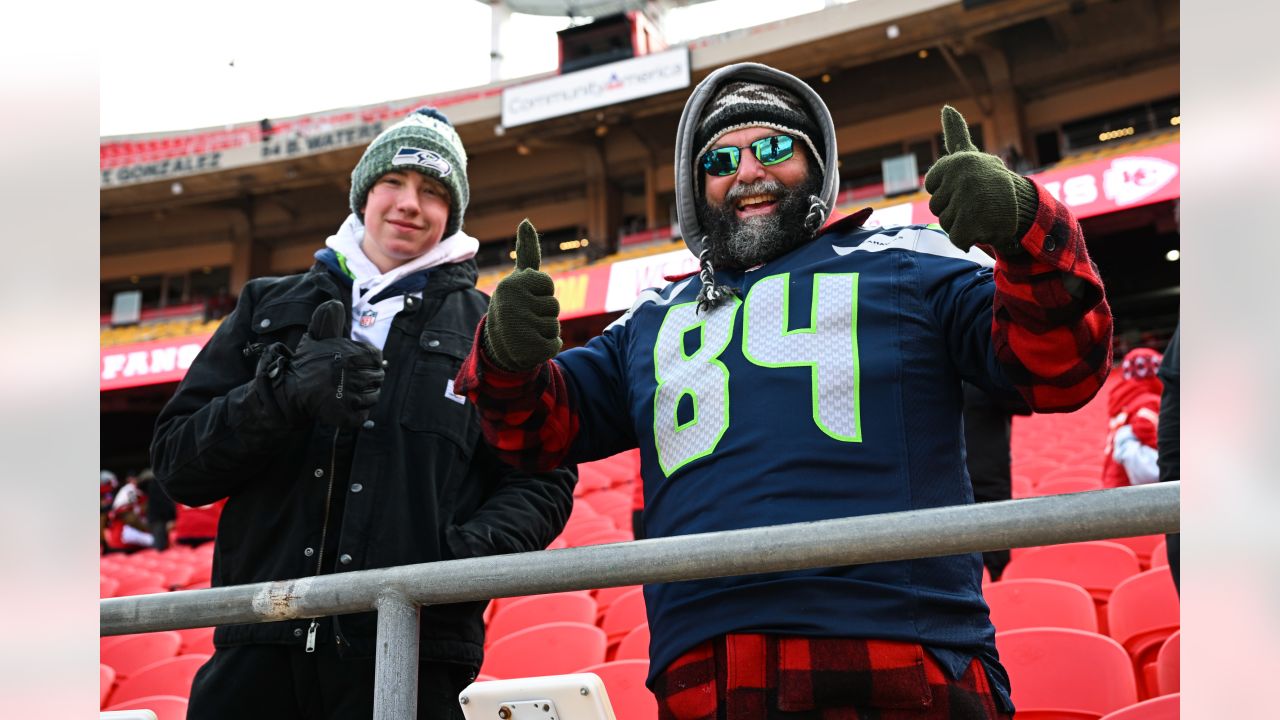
(1051, 329)
(763, 677)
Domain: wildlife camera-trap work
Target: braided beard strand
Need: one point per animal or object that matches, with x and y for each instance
(736, 243)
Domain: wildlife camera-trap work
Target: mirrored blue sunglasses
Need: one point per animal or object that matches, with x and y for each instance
(768, 151)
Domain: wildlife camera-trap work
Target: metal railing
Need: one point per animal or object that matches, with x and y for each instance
(396, 593)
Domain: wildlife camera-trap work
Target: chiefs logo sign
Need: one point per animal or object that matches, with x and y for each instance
(1132, 178)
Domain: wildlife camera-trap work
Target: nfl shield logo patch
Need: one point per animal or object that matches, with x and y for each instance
(368, 318)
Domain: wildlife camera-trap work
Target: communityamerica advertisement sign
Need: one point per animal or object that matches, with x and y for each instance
(609, 84)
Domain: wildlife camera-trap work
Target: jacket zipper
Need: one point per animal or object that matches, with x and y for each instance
(324, 529)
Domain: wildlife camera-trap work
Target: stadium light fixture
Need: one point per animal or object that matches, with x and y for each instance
(176, 188)
(1115, 134)
(892, 32)
(1173, 255)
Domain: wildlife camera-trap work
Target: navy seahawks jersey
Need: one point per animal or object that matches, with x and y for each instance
(829, 388)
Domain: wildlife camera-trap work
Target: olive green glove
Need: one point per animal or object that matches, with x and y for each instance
(976, 198)
(523, 329)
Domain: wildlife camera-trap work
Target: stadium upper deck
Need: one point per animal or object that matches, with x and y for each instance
(258, 198)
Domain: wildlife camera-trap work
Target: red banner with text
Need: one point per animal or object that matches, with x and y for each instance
(148, 363)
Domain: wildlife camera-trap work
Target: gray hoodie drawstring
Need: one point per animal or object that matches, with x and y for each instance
(817, 216)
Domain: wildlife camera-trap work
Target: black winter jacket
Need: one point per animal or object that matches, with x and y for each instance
(415, 484)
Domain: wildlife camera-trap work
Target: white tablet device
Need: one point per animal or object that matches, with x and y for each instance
(580, 696)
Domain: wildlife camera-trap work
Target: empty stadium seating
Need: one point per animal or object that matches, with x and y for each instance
(1165, 707)
(1040, 602)
(1142, 613)
(634, 645)
(553, 648)
(133, 652)
(166, 707)
(1064, 674)
(624, 681)
(167, 677)
(530, 611)
(625, 613)
(606, 596)
(1096, 566)
(106, 681)
(1169, 665)
(196, 640)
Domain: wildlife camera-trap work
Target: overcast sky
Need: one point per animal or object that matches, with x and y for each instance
(178, 66)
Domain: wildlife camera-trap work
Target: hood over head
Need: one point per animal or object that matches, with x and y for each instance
(691, 143)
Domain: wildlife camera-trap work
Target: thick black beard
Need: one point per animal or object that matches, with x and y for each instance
(741, 244)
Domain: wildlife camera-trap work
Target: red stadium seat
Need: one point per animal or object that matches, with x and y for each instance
(611, 503)
(167, 677)
(623, 614)
(624, 681)
(1038, 602)
(576, 529)
(1095, 566)
(1066, 674)
(142, 589)
(556, 648)
(106, 681)
(1073, 471)
(603, 537)
(196, 640)
(1160, 555)
(107, 586)
(133, 652)
(539, 609)
(166, 707)
(1165, 707)
(591, 480)
(1062, 486)
(200, 573)
(634, 645)
(132, 581)
(1142, 546)
(176, 574)
(606, 596)
(581, 510)
(1142, 613)
(1169, 665)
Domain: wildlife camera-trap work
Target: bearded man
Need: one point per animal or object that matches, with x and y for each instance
(811, 370)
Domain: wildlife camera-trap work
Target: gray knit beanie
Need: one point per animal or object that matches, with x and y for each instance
(424, 141)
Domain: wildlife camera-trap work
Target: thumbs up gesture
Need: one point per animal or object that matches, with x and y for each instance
(328, 378)
(523, 328)
(976, 198)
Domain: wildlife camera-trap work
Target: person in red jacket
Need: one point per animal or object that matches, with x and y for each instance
(1134, 409)
(197, 525)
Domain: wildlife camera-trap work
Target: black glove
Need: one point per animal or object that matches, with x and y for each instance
(328, 378)
(523, 329)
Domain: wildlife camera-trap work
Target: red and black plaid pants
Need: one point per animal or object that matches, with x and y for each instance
(768, 677)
